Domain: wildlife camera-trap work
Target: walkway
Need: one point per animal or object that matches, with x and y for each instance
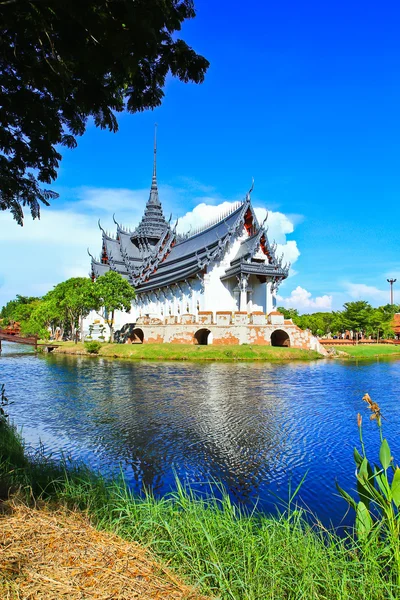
(17, 339)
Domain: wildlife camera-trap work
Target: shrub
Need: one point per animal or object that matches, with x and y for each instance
(92, 347)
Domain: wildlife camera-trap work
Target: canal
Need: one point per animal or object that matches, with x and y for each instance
(257, 428)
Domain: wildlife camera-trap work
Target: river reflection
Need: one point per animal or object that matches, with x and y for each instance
(253, 427)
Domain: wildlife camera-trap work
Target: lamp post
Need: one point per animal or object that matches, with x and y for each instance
(391, 282)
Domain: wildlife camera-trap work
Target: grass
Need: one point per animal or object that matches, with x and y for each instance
(193, 353)
(369, 351)
(210, 543)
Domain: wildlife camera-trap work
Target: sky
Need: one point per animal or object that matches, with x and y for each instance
(302, 96)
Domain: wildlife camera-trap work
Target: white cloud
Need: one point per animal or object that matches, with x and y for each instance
(279, 225)
(202, 214)
(304, 302)
(290, 253)
(360, 291)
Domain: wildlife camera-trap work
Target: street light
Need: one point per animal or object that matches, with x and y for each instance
(391, 282)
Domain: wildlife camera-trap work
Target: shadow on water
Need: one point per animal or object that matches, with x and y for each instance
(252, 426)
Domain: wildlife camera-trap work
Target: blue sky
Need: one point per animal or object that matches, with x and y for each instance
(304, 97)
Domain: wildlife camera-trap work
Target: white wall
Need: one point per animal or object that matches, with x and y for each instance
(217, 295)
(259, 295)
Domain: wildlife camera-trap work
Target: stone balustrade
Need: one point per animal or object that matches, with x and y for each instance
(222, 318)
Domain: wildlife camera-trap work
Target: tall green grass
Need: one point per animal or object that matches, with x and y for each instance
(210, 543)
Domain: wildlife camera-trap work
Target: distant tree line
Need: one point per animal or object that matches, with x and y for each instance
(67, 304)
(358, 317)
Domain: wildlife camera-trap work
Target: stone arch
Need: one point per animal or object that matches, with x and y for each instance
(136, 336)
(279, 337)
(203, 337)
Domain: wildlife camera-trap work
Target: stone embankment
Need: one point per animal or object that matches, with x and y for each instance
(223, 329)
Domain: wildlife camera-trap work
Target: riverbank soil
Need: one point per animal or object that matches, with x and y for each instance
(193, 353)
(49, 555)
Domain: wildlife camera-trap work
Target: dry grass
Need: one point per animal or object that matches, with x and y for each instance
(49, 555)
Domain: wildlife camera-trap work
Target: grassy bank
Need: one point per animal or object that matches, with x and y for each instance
(193, 353)
(209, 543)
(369, 351)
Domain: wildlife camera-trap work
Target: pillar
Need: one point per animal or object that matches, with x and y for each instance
(269, 298)
(243, 292)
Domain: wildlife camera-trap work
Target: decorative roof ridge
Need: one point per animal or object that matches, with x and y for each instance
(121, 228)
(146, 271)
(257, 235)
(238, 207)
(122, 231)
(107, 234)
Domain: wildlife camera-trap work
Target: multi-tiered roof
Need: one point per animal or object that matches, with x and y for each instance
(154, 256)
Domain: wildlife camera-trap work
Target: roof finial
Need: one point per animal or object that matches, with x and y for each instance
(100, 227)
(154, 182)
(250, 190)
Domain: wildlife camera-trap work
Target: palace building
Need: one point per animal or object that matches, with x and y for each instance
(227, 265)
(214, 285)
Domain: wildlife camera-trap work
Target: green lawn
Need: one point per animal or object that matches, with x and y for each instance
(370, 351)
(193, 353)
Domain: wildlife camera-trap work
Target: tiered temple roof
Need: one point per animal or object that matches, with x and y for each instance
(154, 256)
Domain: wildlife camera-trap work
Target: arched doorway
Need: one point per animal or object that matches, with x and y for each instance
(136, 337)
(203, 337)
(280, 338)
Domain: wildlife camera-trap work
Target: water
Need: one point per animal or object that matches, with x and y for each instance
(254, 427)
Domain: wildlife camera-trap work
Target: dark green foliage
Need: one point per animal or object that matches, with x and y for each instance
(93, 347)
(63, 61)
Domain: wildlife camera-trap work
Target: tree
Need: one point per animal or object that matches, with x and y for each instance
(76, 297)
(356, 315)
(381, 321)
(114, 293)
(63, 61)
(45, 318)
(12, 310)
